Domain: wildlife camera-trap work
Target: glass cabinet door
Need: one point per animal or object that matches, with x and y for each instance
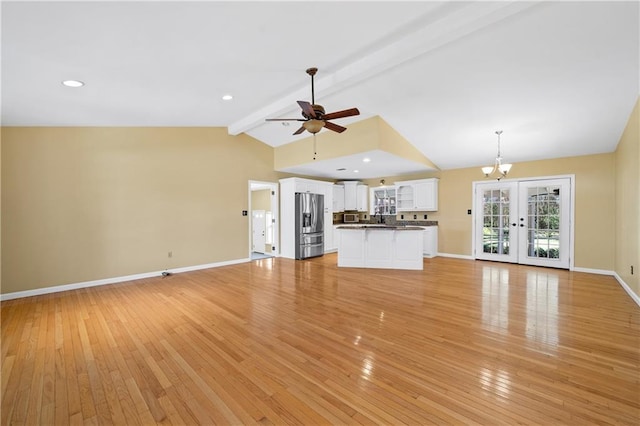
(383, 201)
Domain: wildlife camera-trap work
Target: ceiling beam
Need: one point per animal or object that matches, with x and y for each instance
(447, 23)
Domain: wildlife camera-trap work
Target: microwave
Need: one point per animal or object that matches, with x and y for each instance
(351, 218)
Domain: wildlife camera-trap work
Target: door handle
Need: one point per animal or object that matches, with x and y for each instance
(514, 224)
(522, 225)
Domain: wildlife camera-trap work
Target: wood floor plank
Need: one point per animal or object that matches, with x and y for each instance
(278, 341)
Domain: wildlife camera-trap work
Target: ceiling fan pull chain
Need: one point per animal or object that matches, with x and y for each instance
(314, 146)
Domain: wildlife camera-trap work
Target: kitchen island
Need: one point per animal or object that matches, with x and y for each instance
(380, 246)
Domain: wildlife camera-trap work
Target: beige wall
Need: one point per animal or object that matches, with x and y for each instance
(627, 177)
(595, 205)
(261, 199)
(366, 135)
(83, 204)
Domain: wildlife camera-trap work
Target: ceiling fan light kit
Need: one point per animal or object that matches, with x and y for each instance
(313, 126)
(502, 169)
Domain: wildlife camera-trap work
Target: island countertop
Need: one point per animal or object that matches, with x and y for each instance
(382, 227)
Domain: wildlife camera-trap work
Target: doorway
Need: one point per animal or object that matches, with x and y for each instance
(528, 221)
(263, 226)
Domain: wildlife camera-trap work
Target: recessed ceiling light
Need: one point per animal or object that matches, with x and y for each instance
(356, 171)
(227, 97)
(73, 83)
(366, 159)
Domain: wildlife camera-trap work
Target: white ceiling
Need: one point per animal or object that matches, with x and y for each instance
(559, 78)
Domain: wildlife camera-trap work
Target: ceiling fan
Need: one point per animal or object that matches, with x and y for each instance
(314, 116)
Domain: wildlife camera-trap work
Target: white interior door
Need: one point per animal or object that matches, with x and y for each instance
(527, 222)
(258, 240)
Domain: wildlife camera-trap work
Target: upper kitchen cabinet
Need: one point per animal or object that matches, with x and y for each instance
(417, 195)
(362, 198)
(308, 185)
(382, 201)
(338, 198)
(355, 196)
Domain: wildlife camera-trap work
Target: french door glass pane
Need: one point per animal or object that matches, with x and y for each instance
(543, 222)
(495, 232)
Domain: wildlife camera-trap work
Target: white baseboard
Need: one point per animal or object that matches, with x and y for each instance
(456, 256)
(626, 287)
(593, 271)
(115, 280)
(614, 274)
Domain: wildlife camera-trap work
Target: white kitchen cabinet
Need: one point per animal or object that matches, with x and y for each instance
(404, 197)
(382, 201)
(430, 241)
(328, 217)
(307, 185)
(355, 196)
(407, 244)
(426, 195)
(350, 195)
(334, 239)
(338, 198)
(362, 198)
(417, 195)
(288, 189)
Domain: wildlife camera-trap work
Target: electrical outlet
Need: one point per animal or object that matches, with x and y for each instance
(469, 211)
(170, 254)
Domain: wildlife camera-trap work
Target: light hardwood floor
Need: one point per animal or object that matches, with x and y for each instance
(278, 341)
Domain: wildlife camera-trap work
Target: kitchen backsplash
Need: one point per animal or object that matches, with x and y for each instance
(408, 218)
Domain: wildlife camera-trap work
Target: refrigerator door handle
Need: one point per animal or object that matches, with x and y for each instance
(313, 245)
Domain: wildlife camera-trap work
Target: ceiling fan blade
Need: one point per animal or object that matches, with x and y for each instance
(284, 119)
(307, 109)
(334, 127)
(300, 130)
(341, 114)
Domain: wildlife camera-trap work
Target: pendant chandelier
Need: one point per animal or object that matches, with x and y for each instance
(502, 169)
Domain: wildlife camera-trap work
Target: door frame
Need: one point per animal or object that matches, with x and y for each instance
(572, 202)
(256, 185)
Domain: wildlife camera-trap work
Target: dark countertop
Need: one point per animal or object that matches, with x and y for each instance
(382, 227)
(392, 222)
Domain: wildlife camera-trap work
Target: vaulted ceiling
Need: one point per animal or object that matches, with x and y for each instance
(559, 78)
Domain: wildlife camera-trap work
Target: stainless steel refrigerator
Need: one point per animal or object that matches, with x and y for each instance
(309, 225)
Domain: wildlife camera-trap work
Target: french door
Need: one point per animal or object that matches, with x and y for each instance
(527, 221)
